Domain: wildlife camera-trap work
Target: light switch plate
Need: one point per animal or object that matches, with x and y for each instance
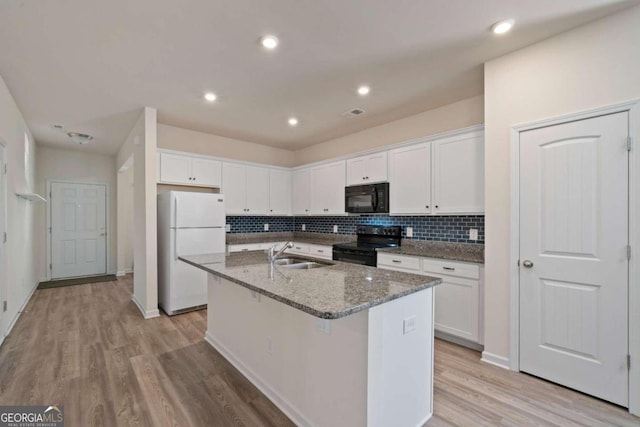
(266, 227)
(227, 228)
(335, 228)
(409, 231)
(304, 227)
(473, 234)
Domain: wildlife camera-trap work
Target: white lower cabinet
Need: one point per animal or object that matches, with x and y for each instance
(307, 249)
(299, 248)
(245, 247)
(459, 299)
(321, 251)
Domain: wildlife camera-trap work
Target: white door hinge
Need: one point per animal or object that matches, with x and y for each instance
(5, 168)
(4, 238)
(629, 361)
(50, 267)
(628, 252)
(629, 143)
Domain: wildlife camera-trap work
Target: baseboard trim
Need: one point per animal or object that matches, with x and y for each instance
(20, 310)
(283, 404)
(147, 314)
(124, 272)
(494, 359)
(457, 340)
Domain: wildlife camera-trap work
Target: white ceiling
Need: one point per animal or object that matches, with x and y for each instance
(90, 65)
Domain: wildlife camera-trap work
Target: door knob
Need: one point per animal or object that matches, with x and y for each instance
(527, 264)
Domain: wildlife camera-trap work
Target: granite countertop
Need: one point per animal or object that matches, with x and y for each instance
(330, 292)
(465, 252)
(327, 239)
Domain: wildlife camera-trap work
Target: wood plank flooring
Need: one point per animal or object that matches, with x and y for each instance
(88, 348)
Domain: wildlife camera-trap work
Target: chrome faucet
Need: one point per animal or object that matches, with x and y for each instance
(270, 252)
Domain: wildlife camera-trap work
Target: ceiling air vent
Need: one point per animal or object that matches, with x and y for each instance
(354, 112)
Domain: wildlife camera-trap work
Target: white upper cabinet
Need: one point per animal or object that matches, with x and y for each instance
(326, 186)
(367, 169)
(300, 192)
(246, 189)
(458, 175)
(279, 192)
(410, 180)
(188, 170)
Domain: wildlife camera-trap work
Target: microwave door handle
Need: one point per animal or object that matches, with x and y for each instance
(374, 193)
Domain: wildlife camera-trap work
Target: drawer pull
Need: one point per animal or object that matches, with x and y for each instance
(396, 260)
(245, 249)
(320, 251)
(449, 268)
(298, 247)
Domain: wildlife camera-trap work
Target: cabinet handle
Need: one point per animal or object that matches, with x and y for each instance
(396, 260)
(271, 210)
(449, 268)
(245, 249)
(427, 206)
(367, 177)
(436, 206)
(320, 251)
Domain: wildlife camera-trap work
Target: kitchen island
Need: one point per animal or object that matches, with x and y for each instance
(337, 345)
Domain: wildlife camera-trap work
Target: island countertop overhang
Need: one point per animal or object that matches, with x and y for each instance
(329, 292)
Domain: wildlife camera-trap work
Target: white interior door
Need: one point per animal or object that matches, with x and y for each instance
(78, 230)
(573, 255)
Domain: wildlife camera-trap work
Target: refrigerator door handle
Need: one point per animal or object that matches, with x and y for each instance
(175, 238)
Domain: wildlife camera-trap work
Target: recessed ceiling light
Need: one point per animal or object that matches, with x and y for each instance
(293, 121)
(363, 90)
(502, 26)
(210, 96)
(269, 42)
(80, 138)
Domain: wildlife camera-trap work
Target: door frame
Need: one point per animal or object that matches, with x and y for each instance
(633, 108)
(107, 219)
(4, 276)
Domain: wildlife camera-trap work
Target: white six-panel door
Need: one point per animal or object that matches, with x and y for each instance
(573, 255)
(78, 229)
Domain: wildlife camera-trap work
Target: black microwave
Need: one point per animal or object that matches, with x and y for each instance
(367, 199)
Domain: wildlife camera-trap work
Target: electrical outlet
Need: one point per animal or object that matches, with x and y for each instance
(335, 228)
(408, 325)
(227, 228)
(473, 234)
(266, 227)
(304, 227)
(409, 231)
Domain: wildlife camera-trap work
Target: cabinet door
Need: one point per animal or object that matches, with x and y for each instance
(300, 192)
(357, 171)
(458, 175)
(456, 307)
(279, 192)
(206, 172)
(335, 182)
(377, 167)
(410, 179)
(318, 191)
(175, 169)
(234, 186)
(257, 193)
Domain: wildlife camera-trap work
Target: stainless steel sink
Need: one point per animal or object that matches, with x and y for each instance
(299, 263)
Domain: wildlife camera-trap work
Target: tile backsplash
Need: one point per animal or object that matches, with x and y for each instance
(438, 228)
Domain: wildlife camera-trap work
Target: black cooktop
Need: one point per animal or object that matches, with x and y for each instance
(372, 237)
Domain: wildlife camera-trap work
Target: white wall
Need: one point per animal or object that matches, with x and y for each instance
(23, 254)
(175, 138)
(141, 144)
(125, 220)
(591, 66)
(461, 114)
(76, 166)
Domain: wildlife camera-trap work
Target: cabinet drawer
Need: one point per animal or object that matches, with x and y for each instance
(321, 251)
(299, 248)
(450, 268)
(401, 261)
(245, 247)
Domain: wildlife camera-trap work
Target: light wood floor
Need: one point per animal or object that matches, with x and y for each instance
(88, 348)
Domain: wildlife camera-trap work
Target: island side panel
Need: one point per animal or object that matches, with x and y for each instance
(314, 377)
(400, 368)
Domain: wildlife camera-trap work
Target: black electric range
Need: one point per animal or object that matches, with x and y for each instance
(370, 238)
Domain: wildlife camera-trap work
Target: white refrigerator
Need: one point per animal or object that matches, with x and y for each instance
(188, 224)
